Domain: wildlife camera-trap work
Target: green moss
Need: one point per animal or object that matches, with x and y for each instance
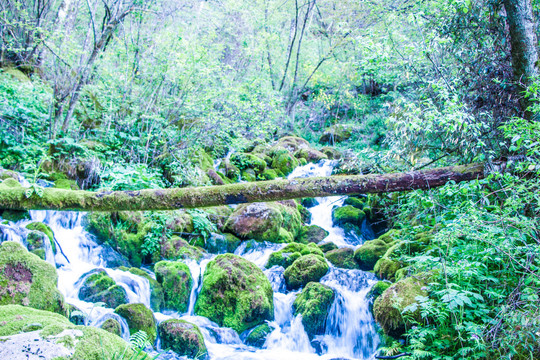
(331, 153)
(176, 282)
(235, 294)
(257, 336)
(248, 161)
(377, 289)
(112, 326)
(91, 345)
(8, 174)
(44, 228)
(284, 162)
(389, 306)
(286, 256)
(329, 246)
(358, 203)
(336, 134)
(100, 287)
(370, 252)
(306, 155)
(139, 317)
(348, 214)
(177, 248)
(248, 175)
(182, 337)
(342, 258)
(66, 184)
(15, 215)
(36, 243)
(219, 215)
(311, 234)
(156, 291)
(258, 221)
(314, 304)
(386, 268)
(222, 243)
(268, 174)
(305, 269)
(27, 280)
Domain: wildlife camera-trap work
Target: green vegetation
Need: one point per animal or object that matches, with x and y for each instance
(183, 337)
(314, 304)
(176, 282)
(100, 287)
(139, 318)
(304, 270)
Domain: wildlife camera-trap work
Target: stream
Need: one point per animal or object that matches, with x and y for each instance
(350, 331)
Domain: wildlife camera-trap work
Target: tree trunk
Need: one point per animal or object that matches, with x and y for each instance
(524, 44)
(169, 199)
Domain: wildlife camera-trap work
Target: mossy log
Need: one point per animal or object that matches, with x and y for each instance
(13, 197)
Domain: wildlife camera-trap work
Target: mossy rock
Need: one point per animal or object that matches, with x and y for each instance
(248, 161)
(75, 315)
(403, 273)
(336, 134)
(36, 243)
(331, 153)
(100, 287)
(386, 268)
(305, 214)
(222, 243)
(182, 337)
(202, 160)
(85, 342)
(248, 175)
(358, 203)
(112, 326)
(388, 307)
(268, 174)
(44, 228)
(27, 280)
(378, 289)
(258, 221)
(176, 281)
(304, 270)
(314, 304)
(348, 214)
(66, 184)
(309, 202)
(235, 293)
(219, 215)
(310, 155)
(284, 162)
(311, 234)
(177, 248)
(293, 143)
(257, 336)
(139, 317)
(370, 252)
(286, 256)
(15, 215)
(8, 174)
(342, 258)
(156, 291)
(329, 246)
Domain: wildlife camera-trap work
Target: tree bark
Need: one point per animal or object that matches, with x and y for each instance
(13, 197)
(524, 42)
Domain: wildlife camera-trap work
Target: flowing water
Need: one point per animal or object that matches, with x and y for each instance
(350, 330)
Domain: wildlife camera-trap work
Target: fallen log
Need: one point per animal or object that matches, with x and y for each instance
(12, 195)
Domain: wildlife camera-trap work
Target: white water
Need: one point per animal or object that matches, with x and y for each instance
(349, 333)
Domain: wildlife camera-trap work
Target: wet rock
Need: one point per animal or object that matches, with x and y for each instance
(310, 155)
(235, 294)
(182, 337)
(286, 256)
(176, 282)
(304, 270)
(329, 246)
(314, 304)
(311, 234)
(342, 258)
(284, 162)
(44, 228)
(389, 306)
(309, 202)
(386, 268)
(100, 287)
(222, 243)
(27, 280)
(112, 258)
(139, 317)
(257, 336)
(36, 243)
(112, 326)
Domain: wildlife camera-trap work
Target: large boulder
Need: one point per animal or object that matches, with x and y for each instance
(349, 217)
(139, 317)
(27, 280)
(176, 282)
(311, 234)
(342, 258)
(53, 337)
(182, 337)
(389, 306)
(304, 270)
(371, 251)
(286, 256)
(235, 293)
(314, 304)
(100, 287)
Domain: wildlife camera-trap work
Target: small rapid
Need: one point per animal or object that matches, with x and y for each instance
(349, 333)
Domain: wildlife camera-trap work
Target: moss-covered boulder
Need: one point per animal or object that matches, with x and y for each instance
(182, 337)
(257, 336)
(310, 155)
(286, 256)
(235, 293)
(336, 134)
(378, 289)
(331, 153)
(139, 317)
(8, 174)
(293, 143)
(112, 326)
(284, 162)
(326, 247)
(258, 221)
(342, 258)
(100, 287)
(348, 214)
(156, 291)
(219, 215)
(37, 243)
(304, 270)
(248, 161)
(386, 268)
(314, 304)
(177, 248)
(44, 228)
(65, 339)
(27, 280)
(311, 234)
(388, 307)
(268, 174)
(357, 202)
(176, 282)
(371, 251)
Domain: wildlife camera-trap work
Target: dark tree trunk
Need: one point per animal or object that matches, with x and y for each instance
(524, 44)
(169, 199)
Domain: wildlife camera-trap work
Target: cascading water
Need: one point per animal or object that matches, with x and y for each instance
(350, 331)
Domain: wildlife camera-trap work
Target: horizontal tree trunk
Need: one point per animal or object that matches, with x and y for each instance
(168, 199)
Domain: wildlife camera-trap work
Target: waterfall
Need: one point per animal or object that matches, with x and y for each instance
(350, 330)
